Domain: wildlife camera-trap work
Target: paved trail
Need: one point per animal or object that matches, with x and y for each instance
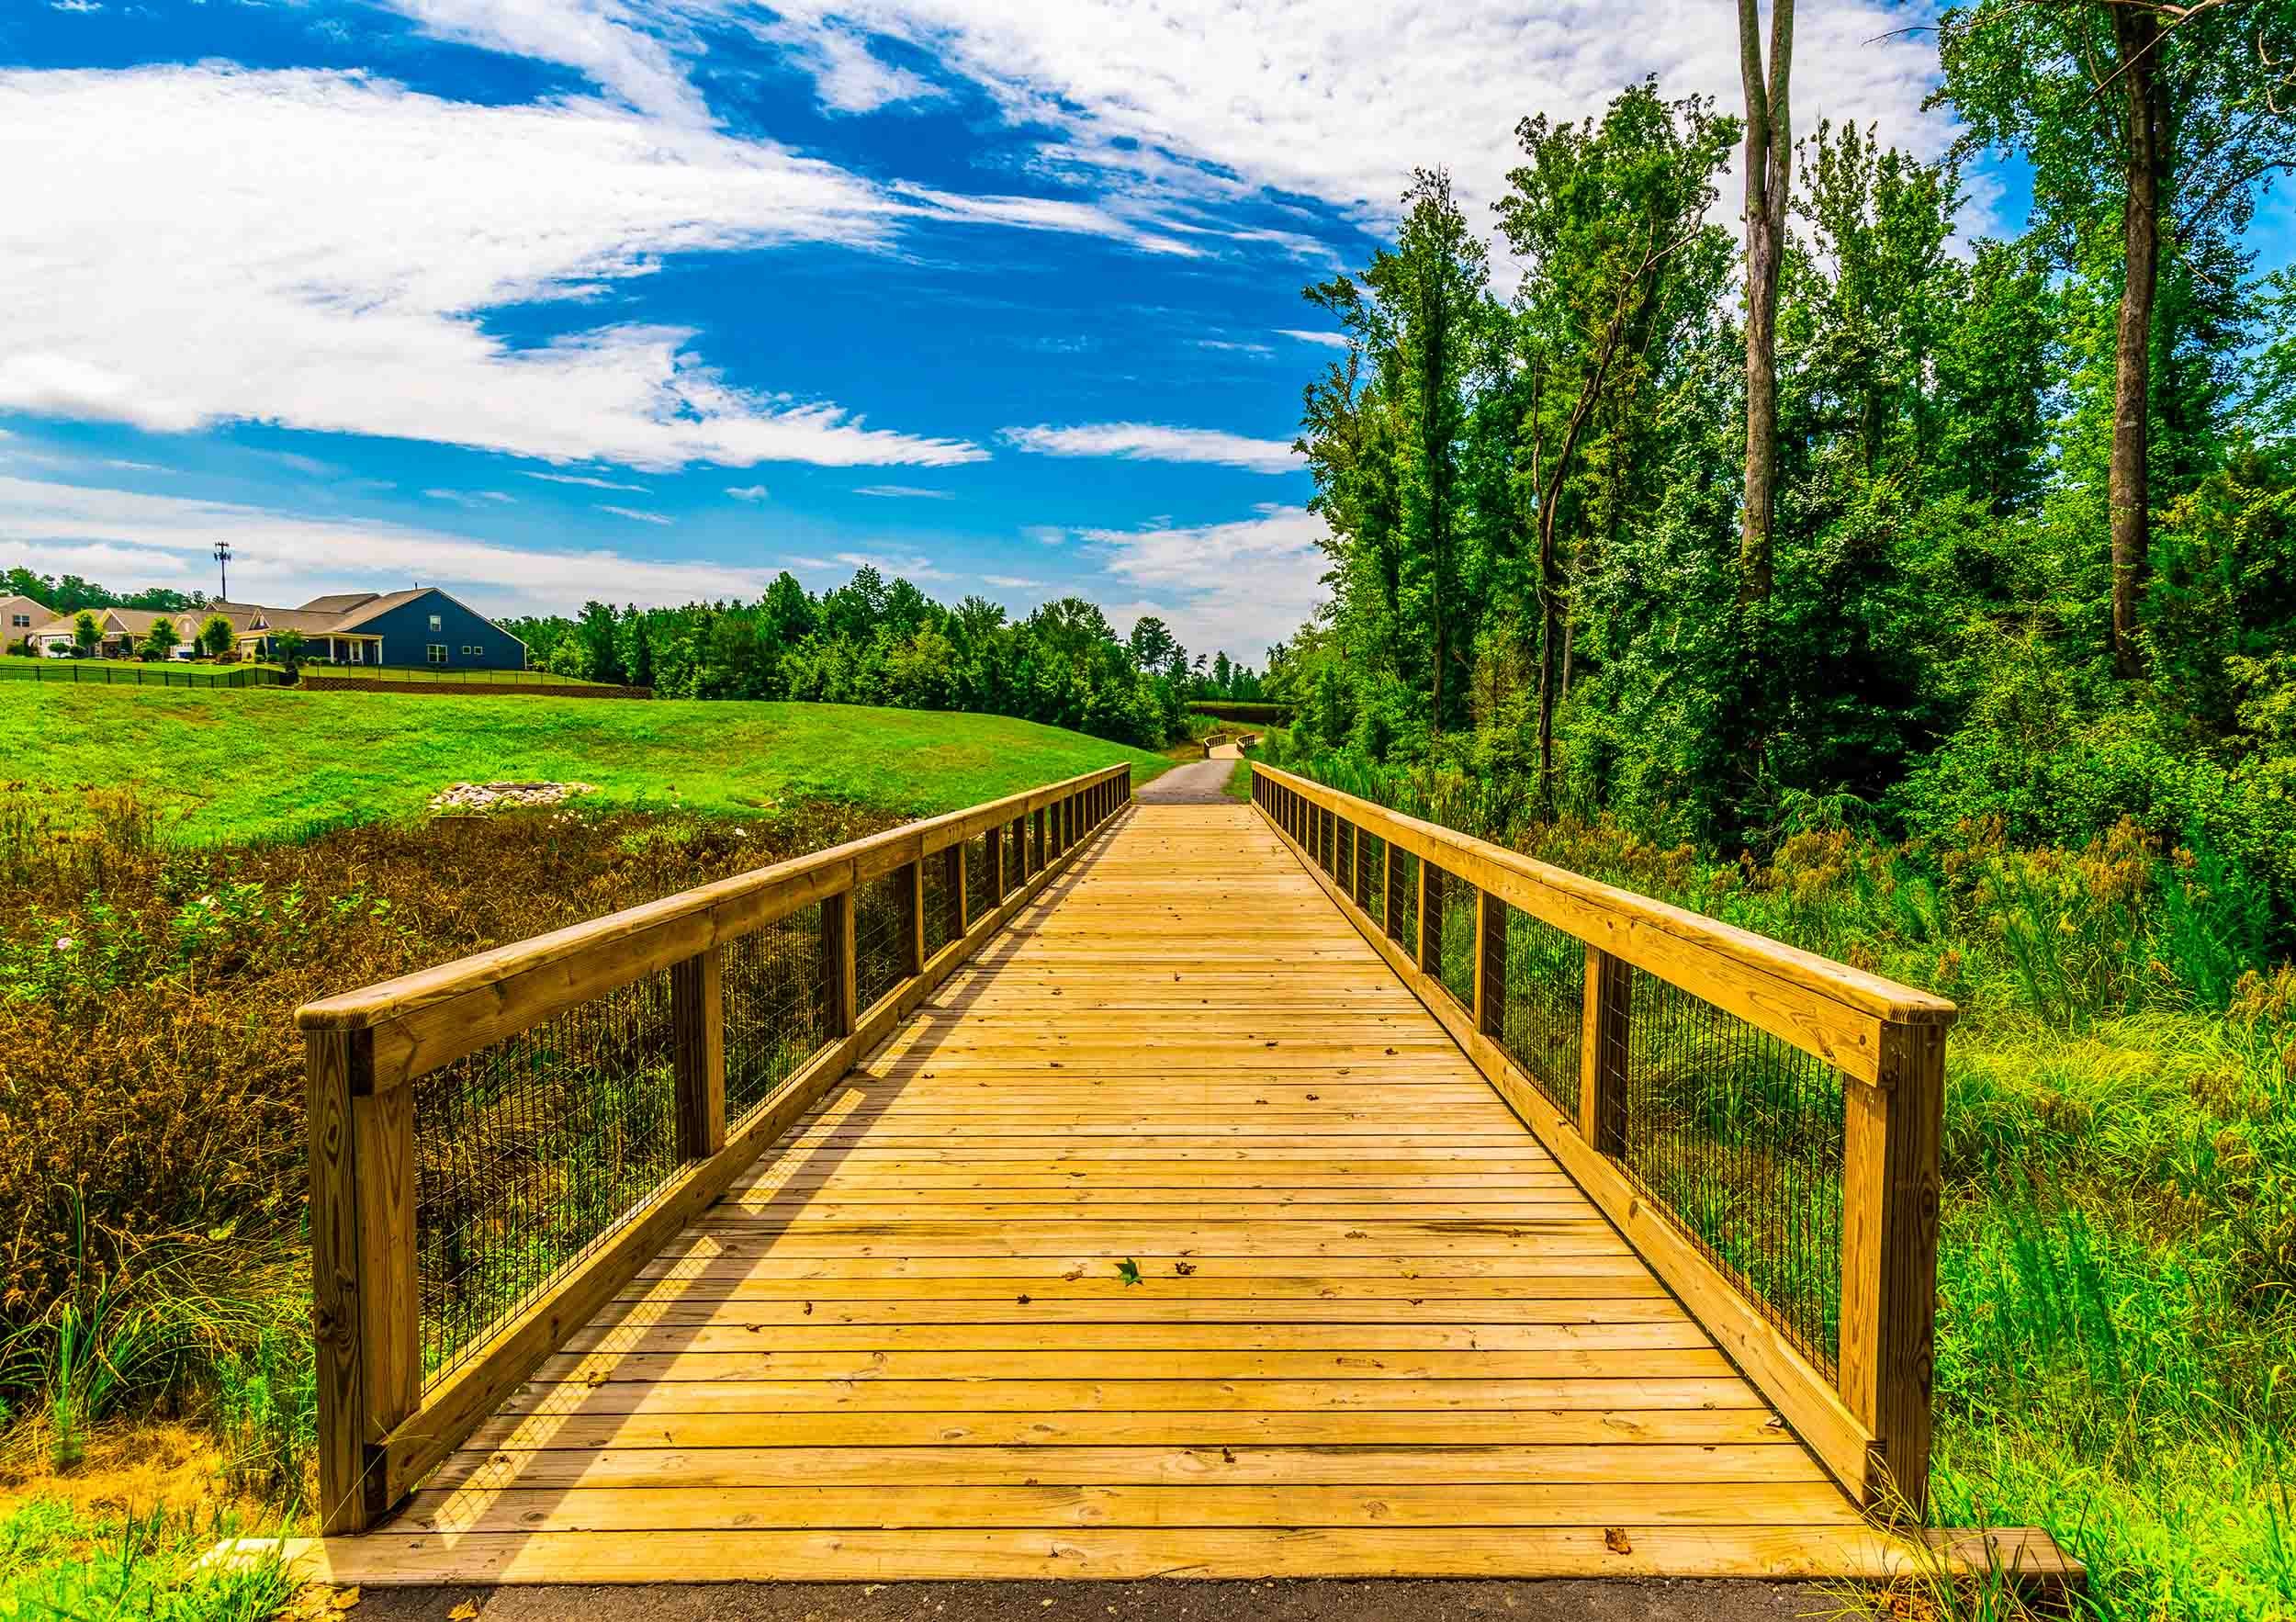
(1200, 783)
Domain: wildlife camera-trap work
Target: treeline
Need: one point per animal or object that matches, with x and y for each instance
(879, 642)
(2011, 540)
(67, 595)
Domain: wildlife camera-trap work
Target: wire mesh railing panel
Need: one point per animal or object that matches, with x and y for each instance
(1373, 855)
(1739, 1136)
(529, 1153)
(1543, 1013)
(1402, 916)
(881, 936)
(942, 922)
(775, 1019)
(1343, 870)
(980, 880)
(1454, 964)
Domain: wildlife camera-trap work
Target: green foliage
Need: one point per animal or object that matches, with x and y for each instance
(56, 1561)
(270, 763)
(160, 639)
(70, 594)
(874, 642)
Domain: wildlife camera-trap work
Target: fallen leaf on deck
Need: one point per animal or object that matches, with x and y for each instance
(1615, 1539)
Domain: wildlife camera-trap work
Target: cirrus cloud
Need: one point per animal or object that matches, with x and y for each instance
(1152, 442)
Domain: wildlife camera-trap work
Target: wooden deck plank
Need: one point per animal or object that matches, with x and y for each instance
(1132, 1253)
(1121, 1553)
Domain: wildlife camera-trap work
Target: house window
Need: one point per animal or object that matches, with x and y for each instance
(20, 621)
(472, 651)
(437, 653)
(436, 623)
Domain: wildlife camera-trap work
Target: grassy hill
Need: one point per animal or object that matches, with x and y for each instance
(234, 765)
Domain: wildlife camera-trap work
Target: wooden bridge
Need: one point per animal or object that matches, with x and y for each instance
(1073, 1186)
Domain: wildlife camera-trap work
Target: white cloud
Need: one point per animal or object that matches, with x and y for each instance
(634, 513)
(600, 38)
(1340, 99)
(588, 480)
(1011, 582)
(470, 497)
(748, 493)
(914, 568)
(132, 539)
(1149, 442)
(1045, 535)
(847, 75)
(1233, 346)
(914, 491)
(1238, 586)
(319, 250)
(1329, 340)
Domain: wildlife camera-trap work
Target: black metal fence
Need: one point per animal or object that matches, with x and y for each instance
(109, 673)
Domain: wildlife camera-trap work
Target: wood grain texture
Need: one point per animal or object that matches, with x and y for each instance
(410, 1448)
(1804, 1397)
(1131, 1250)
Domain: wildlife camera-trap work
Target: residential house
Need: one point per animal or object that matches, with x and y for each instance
(120, 630)
(420, 626)
(19, 617)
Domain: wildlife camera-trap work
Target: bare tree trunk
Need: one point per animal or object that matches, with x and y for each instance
(2136, 31)
(1768, 168)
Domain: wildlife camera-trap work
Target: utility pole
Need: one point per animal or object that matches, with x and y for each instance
(224, 568)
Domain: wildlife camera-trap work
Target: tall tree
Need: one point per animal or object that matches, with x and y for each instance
(2151, 129)
(1769, 180)
(1597, 212)
(1435, 284)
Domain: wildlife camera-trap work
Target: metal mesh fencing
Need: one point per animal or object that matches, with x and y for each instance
(1739, 1137)
(881, 936)
(775, 1019)
(941, 923)
(1454, 965)
(1373, 854)
(1402, 916)
(1343, 870)
(1542, 1015)
(980, 880)
(529, 1153)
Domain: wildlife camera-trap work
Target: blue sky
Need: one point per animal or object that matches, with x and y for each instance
(647, 299)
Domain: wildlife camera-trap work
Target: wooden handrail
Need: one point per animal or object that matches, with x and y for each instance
(380, 1428)
(1869, 1423)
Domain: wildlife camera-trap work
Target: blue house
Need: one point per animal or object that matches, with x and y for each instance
(421, 627)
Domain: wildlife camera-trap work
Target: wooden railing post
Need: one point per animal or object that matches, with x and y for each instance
(1602, 1033)
(1890, 1219)
(697, 1023)
(1491, 967)
(911, 882)
(838, 989)
(1430, 917)
(364, 1303)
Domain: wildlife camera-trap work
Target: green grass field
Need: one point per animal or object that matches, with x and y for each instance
(266, 762)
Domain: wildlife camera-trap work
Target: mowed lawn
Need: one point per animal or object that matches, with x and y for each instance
(266, 762)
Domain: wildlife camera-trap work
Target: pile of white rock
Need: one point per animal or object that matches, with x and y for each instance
(494, 796)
